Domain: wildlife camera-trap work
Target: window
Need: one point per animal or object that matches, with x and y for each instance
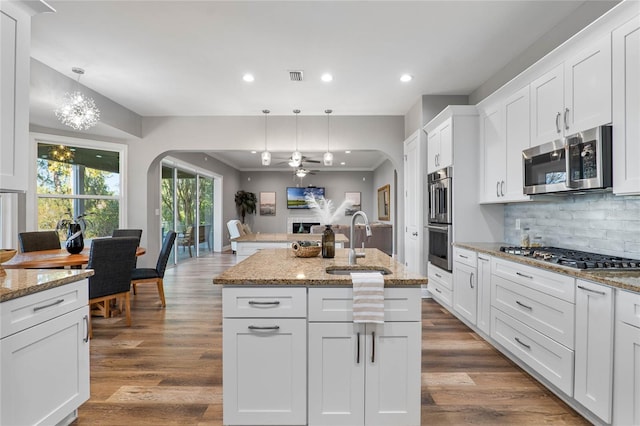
(80, 180)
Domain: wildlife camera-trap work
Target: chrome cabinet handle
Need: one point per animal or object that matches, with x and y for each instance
(558, 123)
(522, 343)
(373, 347)
(483, 258)
(566, 124)
(602, 293)
(523, 275)
(253, 302)
(502, 188)
(57, 302)
(438, 275)
(273, 327)
(86, 324)
(415, 234)
(523, 305)
(463, 256)
(438, 290)
(358, 350)
(497, 188)
(471, 280)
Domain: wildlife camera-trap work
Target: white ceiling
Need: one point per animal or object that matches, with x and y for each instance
(186, 58)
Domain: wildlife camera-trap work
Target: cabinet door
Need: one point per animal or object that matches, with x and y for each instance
(517, 136)
(594, 348)
(484, 294)
(413, 212)
(393, 383)
(264, 371)
(547, 103)
(465, 291)
(433, 149)
(587, 95)
(45, 370)
(336, 374)
(626, 401)
(445, 156)
(626, 108)
(493, 146)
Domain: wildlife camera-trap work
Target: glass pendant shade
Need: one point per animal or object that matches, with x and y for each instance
(301, 173)
(266, 158)
(296, 159)
(327, 159)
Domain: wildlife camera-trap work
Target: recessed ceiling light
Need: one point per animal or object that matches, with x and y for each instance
(342, 163)
(254, 152)
(406, 78)
(347, 152)
(248, 77)
(326, 77)
(98, 156)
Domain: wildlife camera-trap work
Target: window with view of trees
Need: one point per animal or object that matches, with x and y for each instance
(74, 181)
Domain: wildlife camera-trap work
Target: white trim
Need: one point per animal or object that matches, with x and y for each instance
(120, 148)
(187, 167)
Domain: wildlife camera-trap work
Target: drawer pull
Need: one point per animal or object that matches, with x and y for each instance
(523, 305)
(471, 280)
(253, 302)
(57, 302)
(482, 258)
(463, 256)
(602, 293)
(373, 347)
(523, 275)
(272, 327)
(438, 290)
(86, 323)
(358, 350)
(522, 343)
(438, 275)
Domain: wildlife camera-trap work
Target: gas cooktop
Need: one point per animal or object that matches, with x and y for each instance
(573, 258)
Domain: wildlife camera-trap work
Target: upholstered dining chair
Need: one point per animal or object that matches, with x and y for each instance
(150, 275)
(112, 260)
(234, 232)
(128, 233)
(39, 240)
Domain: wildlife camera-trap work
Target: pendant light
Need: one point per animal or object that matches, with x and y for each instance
(296, 156)
(327, 158)
(76, 110)
(266, 155)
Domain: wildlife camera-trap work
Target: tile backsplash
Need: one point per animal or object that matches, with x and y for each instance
(597, 222)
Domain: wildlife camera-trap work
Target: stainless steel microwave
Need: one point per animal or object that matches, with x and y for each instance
(575, 163)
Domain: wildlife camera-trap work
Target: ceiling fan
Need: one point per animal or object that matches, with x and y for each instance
(289, 161)
(302, 172)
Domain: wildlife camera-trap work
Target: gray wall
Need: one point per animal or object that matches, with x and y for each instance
(598, 222)
(427, 107)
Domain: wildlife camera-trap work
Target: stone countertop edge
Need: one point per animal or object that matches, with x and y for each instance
(23, 282)
(280, 267)
(624, 280)
(284, 238)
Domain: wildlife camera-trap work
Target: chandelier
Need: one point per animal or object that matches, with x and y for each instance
(327, 158)
(266, 155)
(77, 110)
(60, 153)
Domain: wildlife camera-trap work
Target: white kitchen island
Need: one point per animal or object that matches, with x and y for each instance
(250, 243)
(293, 356)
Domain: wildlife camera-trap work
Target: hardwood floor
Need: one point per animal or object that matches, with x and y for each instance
(167, 368)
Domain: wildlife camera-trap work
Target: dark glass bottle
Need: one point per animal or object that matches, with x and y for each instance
(75, 242)
(328, 243)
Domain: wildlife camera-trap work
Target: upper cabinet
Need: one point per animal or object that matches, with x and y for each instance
(574, 96)
(440, 147)
(626, 108)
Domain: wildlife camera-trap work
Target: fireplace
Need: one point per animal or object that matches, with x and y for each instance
(302, 227)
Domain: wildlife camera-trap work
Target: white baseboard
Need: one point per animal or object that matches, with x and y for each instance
(424, 292)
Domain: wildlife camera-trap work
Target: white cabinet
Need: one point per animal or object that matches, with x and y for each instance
(414, 184)
(364, 374)
(440, 146)
(264, 356)
(626, 393)
(593, 385)
(626, 108)
(465, 280)
(483, 317)
(440, 285)
(44, 356)
(574, 96)
(492, 143)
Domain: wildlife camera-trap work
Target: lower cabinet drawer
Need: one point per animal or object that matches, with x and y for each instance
(443, 277)
(547, 357)
(264, 302)
(336, 304)
(628, 308)
(549, 315)
(440, 293)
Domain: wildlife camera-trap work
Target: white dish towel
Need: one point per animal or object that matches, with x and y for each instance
(368, 297)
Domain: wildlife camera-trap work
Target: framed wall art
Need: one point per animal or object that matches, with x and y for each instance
(356, 204)
(267, 204)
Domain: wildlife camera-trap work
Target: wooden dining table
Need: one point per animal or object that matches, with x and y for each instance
(53, 259)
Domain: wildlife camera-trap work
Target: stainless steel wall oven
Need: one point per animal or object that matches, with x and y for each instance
(440, 218)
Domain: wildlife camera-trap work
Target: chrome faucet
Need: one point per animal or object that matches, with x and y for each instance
(353, 256)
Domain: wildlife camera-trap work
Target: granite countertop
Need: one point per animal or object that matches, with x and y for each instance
(626, 280)
(281, 267)
(282, 238)
(22, 282)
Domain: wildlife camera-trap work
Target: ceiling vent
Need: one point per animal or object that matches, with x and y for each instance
(296, 75)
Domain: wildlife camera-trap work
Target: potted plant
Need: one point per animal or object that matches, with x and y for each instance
(246, 203)
(74, 227)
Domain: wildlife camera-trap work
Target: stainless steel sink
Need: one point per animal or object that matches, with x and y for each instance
(346, 270)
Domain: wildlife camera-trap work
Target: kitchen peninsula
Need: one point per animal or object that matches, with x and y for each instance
(250, 243)
(44, 345)
(292, 354)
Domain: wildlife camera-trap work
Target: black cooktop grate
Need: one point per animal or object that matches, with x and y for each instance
(573, 258)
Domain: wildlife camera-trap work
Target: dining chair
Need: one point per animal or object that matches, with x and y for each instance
(150, 275)
(188, 239)
(112, 260)
(121, 232)
(39, 240)
(233, 226)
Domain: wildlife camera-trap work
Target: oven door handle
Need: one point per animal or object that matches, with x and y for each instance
(440, 228)
(569, 182)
